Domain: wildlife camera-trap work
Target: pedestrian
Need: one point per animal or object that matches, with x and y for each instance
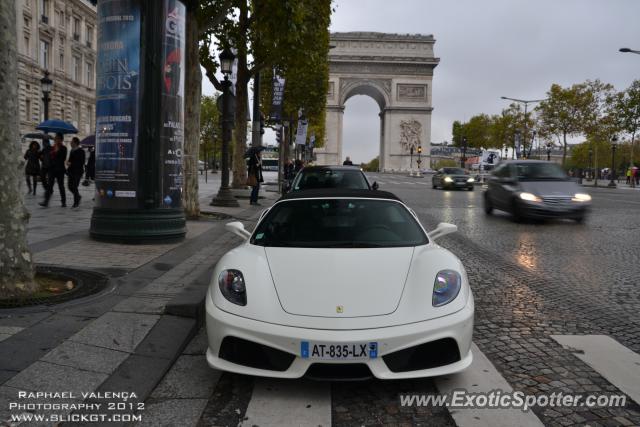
(75, 168)
(255, 176)
(45, 161)
(32, 168)
(347, 162)
(297, 166)
(90, 168)
(57, 158)
(628, 176)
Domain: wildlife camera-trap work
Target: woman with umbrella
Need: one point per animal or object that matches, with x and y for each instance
(255, 173)
(32, 169)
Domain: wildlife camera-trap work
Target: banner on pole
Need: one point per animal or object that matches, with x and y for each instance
(277, 97)
(312, 140)
(301, 132)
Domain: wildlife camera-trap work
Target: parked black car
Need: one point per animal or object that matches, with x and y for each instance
(312, 177)
(452, 178)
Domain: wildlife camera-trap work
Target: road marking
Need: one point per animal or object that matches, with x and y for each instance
(284, 403)
(615, 362)
(482, 376)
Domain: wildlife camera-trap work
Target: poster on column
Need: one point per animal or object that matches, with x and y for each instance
(117, 104)
(172, 103)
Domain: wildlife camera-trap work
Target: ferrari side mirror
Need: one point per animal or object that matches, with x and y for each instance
(375, 185)
(442, 229)
(237, 228)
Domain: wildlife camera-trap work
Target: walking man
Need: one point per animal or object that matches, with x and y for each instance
(75, 168)
(347, 162)
(57, 159)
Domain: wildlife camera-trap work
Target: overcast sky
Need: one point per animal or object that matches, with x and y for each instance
(493, 48)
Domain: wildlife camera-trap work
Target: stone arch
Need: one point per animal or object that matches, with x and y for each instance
(394, 70)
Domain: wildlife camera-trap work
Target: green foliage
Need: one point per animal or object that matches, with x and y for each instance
(210, 132)
(628, 110)
(372, 166)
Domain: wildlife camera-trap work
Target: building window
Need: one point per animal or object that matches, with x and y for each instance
(91, 118)
(27, 110)
(76, 113)
(61, 19)
(61, 59)
(44, 54)
(76, 29)
(89, 35)
(44, 10)
(27, 45)
(76, 69)
(89, 79)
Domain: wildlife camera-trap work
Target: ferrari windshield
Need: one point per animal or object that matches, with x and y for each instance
(339, 223)
(541, 171)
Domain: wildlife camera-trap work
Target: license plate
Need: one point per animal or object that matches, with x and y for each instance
(349, 351)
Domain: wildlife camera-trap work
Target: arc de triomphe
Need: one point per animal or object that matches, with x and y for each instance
(397, 72)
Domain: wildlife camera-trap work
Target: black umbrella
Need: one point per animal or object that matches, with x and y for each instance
(251, 151)
(89, 141)
(35, 136)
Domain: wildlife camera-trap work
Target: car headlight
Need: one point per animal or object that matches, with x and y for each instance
(448, 179)
(446, 287)
(530, 197)
(581, 197)
(231, 283)
(470, 180)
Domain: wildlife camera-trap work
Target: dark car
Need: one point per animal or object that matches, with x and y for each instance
(535, 189)
(313, 177)
(452, 178)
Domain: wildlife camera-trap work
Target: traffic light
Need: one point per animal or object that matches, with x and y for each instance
(261, 124)
(419, 149)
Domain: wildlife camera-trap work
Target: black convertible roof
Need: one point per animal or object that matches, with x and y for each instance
(331, 193)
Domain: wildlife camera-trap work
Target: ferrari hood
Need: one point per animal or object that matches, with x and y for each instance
(339, 282)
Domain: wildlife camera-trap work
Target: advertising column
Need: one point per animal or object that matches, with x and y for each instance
(140, 121)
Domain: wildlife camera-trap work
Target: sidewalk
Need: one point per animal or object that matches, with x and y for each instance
(604, 183)
(125, 338)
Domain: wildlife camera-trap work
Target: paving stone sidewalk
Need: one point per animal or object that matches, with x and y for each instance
(125, 339)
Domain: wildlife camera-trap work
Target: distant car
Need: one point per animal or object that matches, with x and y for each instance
(314, 177)
(535, 189)
(452, 178)
(339, 284)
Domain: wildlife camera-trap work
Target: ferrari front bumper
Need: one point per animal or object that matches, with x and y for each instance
(457, 326)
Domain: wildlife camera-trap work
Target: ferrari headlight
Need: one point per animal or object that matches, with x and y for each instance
(581, 197)
(231, 283)
(530, 197)
(470, 180)
(446, 287)
(448, 179)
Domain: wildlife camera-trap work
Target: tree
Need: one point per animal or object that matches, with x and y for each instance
(210, 143)
(16, 267)
(267, 34)
(562, 114)
(628, 111)
(193, 90)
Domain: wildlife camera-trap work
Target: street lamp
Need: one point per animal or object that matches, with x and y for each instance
(526, 105)
(590, 165)
(614, 140)
(627, 50)
(463, 158)
(46, 85)
(224, 196)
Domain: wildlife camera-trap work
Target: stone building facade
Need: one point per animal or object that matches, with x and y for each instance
(59, 36)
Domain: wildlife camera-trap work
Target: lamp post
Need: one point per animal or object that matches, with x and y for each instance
(627, 50)
(224, 196)
(463, 157)
(590, 165)
(614, 145)
(46, 85)
(526, 105)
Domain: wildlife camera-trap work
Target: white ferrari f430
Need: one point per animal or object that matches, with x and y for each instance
(339, 284)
